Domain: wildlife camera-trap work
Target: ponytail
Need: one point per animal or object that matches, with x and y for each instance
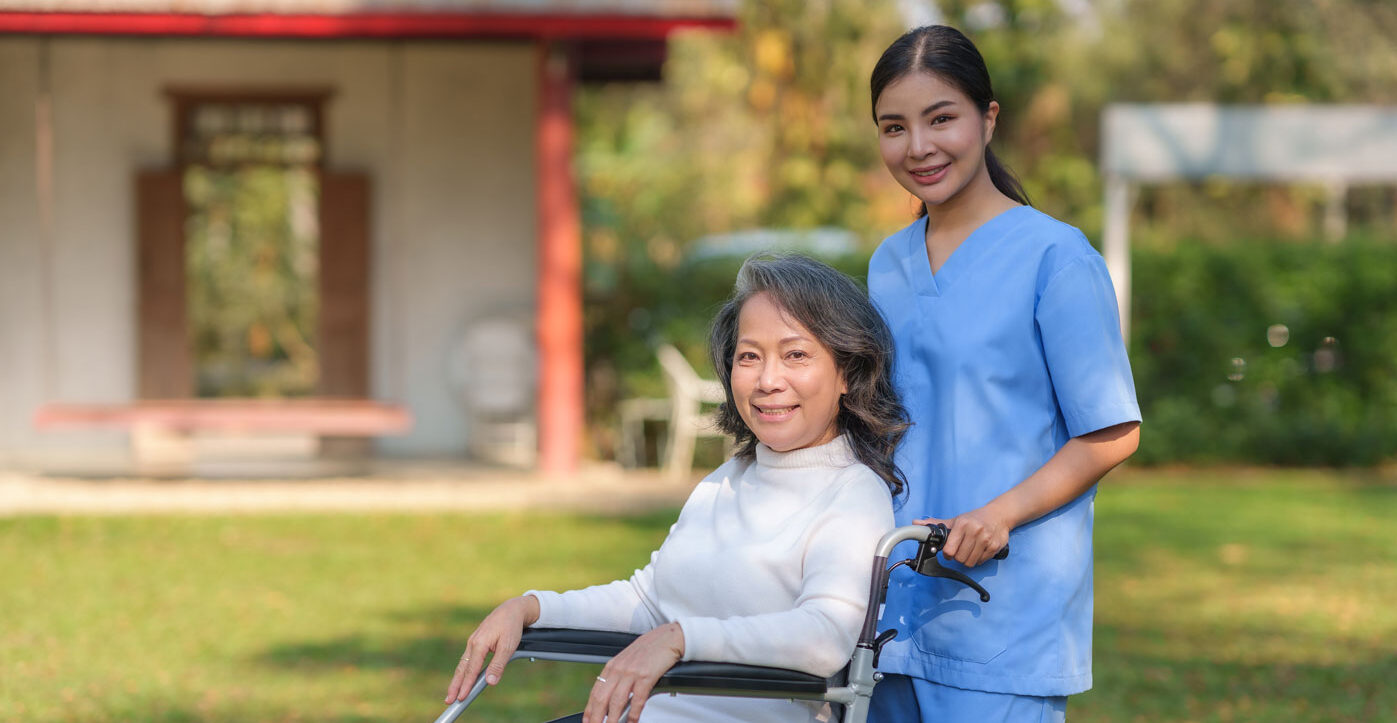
(1004, 179)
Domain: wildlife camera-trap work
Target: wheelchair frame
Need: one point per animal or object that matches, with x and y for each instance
(850, 688)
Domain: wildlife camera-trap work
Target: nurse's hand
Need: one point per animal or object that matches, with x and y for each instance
(975, 536)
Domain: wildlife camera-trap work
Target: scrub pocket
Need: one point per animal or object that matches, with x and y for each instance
(954, 624)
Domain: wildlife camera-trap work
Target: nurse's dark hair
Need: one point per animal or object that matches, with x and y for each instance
(946, 53)
(837, 311)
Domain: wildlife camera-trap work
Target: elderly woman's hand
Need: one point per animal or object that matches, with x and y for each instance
(631, 675)
(499, 634)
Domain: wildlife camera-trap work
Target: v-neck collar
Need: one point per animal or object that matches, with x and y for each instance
(961, 260)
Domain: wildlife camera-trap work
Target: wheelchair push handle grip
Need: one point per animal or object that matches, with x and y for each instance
(926, 562)
(939, 533)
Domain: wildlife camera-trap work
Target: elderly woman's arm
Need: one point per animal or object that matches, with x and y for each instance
(625, 605)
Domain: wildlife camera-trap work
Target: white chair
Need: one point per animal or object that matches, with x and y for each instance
(493, 372)
(689, 394)
(634, 413)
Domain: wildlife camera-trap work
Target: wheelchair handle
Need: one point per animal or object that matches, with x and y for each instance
(930, 539)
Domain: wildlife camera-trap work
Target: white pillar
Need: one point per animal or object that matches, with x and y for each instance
(1120, 196)
(1335, 211)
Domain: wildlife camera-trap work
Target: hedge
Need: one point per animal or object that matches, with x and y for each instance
(1267, 352)
(1254, 352)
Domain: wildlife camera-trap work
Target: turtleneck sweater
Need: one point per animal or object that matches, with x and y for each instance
(768, 564)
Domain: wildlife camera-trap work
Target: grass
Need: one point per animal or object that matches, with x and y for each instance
(1247, 596)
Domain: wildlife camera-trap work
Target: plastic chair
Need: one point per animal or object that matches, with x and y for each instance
(492, 371)
(688, 420)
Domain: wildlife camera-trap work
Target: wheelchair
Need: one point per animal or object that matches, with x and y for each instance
(850, 690)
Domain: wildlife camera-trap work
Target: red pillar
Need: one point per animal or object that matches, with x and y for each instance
(560, 400)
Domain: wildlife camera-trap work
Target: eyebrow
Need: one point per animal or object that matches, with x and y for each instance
(783, 340)
(925, 111)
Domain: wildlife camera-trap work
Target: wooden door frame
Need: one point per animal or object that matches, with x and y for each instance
(165, 364)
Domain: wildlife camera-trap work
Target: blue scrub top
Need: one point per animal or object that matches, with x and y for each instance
(1012, 348)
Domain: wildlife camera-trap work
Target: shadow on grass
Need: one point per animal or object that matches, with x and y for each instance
(412, 651)
(1131, 685)
(421, 664)
(165, 714)
(430, 653)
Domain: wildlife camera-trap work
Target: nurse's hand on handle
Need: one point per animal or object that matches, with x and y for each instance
(499, 633)
(975, 536)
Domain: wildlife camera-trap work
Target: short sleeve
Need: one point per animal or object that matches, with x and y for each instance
(1081, 332)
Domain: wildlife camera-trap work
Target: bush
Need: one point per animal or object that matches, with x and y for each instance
(1256, 352)
(1265, 352)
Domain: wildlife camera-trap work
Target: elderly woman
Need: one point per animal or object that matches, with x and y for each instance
(768, 563)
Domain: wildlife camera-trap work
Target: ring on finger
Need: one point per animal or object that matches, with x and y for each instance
(601, 679)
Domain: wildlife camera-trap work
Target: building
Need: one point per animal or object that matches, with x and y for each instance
(436, 133)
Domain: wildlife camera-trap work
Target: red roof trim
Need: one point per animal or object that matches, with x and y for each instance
(355, 25)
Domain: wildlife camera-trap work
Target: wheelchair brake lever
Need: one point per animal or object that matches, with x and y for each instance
(927, 563)
(932, 567)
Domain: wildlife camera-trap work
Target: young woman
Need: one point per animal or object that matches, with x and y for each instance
(768, 563)
(1011, 364)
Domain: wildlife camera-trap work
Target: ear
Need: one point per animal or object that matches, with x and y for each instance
(991, 116)
(843, 385)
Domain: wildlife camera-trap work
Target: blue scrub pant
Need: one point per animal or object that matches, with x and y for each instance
(901, 699)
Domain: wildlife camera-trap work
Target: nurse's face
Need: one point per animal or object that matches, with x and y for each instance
(932, 136)
(784, 381)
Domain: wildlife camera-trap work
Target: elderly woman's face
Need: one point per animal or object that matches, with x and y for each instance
(785, 383)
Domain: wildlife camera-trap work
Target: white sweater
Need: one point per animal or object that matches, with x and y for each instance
(768, 564)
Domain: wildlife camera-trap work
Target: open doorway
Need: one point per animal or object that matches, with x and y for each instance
(250, 179)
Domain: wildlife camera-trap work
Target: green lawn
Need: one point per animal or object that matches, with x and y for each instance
(1249, 596)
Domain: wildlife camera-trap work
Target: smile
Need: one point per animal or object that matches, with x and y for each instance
(929, 175)
(775, 412)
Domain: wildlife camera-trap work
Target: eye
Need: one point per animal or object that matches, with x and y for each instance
(938, 120)
(892, 129)
(797, 355)
(745, 356)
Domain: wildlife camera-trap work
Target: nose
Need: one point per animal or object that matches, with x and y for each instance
(920, 143)
(771, 378)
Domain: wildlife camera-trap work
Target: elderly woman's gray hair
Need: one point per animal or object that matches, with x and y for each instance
(838, 312)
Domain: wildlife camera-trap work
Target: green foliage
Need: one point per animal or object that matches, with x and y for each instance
(770, 126)
(1266, 352)
(252, 264)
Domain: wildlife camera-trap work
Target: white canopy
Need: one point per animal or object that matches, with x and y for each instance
(1334, 145)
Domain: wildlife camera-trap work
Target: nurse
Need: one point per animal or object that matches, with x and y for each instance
(1011, 364)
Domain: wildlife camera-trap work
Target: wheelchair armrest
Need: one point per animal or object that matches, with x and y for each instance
(699, 676)
(602, 643)
(693, 676)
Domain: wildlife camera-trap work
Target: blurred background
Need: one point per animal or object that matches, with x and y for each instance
(1257, 335)
(365, 210)
(243, 239)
